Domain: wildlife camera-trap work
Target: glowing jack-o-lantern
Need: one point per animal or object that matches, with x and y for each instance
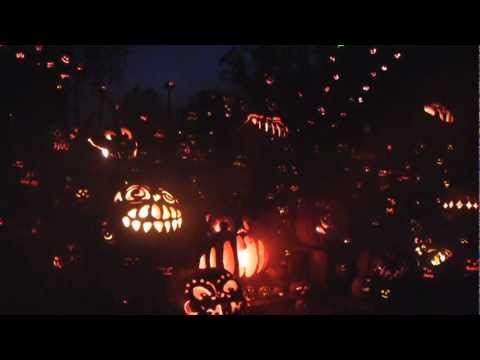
(213, 292)
(389, 267)
(148, 211)
(440, 111)
(60, 143)
(244, 257)
(82, 195)
(471, 265)
(272, 125)
(117, 145)
(30, 179)
(437, 257)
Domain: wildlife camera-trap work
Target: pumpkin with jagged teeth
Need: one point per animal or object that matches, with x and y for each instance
(149, 212)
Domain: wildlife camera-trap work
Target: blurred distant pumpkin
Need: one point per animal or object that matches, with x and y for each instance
(116, 144)
(320, 224)
(439, 111)
(60, 142)
(271, 125)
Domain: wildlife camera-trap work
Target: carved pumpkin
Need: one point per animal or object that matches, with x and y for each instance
(148, 211)
(30, 179)
(272, 125)
(213, 292)
(431, 263)
(439, 111)
(471, 265)
(60, 143)
(320, 225)
(244, 257)
(116, 144)
(82, 195)
(389, 267)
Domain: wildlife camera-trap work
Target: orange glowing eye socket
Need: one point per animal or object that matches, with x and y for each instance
(136, 193)
(127, 133)
(109, 134)
(230, 286)
(200, 292)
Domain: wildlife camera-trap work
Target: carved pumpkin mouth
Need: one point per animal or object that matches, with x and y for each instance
(271, 125)
(156, 217)
(160, 214)
(228, 308)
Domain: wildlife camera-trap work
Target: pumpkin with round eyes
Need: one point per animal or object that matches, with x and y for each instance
(212, 292)
(116, 144)
(147, 211)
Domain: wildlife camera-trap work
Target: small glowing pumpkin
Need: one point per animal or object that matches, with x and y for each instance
(439, 111)
(82, 194)
(148, 211)
(60, 143)
(272, 125)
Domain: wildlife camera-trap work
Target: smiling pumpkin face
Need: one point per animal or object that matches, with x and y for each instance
(147, 211)
(213, 292)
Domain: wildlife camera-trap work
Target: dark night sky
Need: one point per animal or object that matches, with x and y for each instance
(193, 67)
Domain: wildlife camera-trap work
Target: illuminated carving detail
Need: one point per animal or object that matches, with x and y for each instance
(212, 292)
(465, 204)
(147, 211)
(271, 125)
(439, 111)
(117, 146)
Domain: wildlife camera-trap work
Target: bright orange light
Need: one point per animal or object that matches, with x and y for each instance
(273, 125)
(65, 59)
(104, 151)
(440, 111)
